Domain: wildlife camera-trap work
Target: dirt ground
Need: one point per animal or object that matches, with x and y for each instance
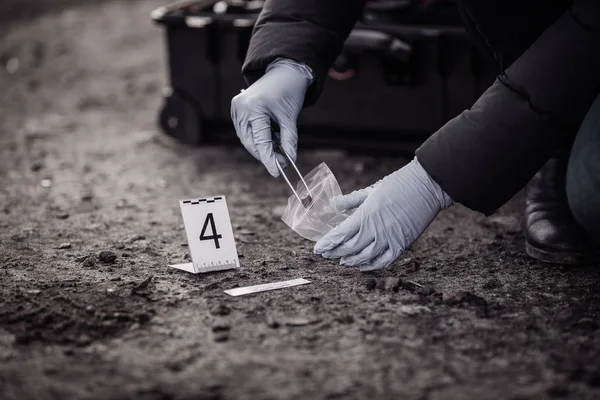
(85, 171)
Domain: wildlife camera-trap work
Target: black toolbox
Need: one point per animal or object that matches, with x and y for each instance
(404, 71)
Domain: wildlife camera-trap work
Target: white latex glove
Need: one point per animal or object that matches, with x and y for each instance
(391, 215)
(279, 96)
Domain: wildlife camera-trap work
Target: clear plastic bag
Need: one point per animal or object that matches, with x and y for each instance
(313, 219)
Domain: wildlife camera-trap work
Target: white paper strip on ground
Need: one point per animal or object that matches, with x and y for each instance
(265, 287)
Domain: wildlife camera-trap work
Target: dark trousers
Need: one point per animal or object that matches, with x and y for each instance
(583, 173)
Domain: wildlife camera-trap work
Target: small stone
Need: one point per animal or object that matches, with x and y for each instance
(46, 183)
(89, 262)
(220, 327)
(345, 319)
(119, 246)
(107, 257)
(87, 197)
(12, 66)
(143, 284)
(425, 291)
(300, 321)
(220, 309)
(273, 323)
(36, 166)
(62, 215)
(463, 297)
(34, 291)
(221, 336)
(110, 290)
(65, 245)
(371, 284)
(413, 309)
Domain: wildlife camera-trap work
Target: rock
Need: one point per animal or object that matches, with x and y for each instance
(34, 291)
(65, 245)
(36, 166)
(119, 246)
(221, 332)
(89, 262)
(467, 298)
(371, 284)
(107, 257)
(301, 321)
(62, 215)
(413, 309)
(345, 319)
(13, 65)
(221, 336)
(143, 284)
(425, 291)
(87, 197)
(46, 183)
(220, 309)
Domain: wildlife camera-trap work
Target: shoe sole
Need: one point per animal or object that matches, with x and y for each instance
(556, 257)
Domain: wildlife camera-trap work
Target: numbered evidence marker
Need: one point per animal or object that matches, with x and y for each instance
(209, 235)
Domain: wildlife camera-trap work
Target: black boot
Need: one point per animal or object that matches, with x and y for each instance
(551, 233)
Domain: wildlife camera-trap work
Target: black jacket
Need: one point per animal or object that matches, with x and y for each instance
(549, 54)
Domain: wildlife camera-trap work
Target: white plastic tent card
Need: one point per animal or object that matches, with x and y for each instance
(209, 235)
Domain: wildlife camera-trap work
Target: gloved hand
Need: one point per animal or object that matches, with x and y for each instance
(391, 215)
(278, 95)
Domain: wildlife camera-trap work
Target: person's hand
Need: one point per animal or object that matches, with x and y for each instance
(391, 215)
(277, 96)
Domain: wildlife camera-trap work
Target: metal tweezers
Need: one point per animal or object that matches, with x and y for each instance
(297, 171)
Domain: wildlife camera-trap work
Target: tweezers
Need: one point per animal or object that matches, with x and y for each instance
(297, 171)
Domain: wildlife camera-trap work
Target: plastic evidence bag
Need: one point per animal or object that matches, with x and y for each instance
(313, 219)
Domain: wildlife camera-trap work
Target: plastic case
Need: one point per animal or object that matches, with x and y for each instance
(403, 73)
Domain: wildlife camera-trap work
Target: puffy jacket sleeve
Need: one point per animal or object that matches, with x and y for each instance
(488, 153)
(308, 31)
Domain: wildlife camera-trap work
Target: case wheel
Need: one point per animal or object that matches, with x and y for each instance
(181, 119)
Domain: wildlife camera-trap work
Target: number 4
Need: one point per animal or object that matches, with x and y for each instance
(215, 236)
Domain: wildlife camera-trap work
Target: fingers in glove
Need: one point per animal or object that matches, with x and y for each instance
(373, 250)
(261, 135)
(338, 235)
(245, 136)
(353, 246)
(242, 127)
(289, 138)
(350, 201)
(380, 262)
